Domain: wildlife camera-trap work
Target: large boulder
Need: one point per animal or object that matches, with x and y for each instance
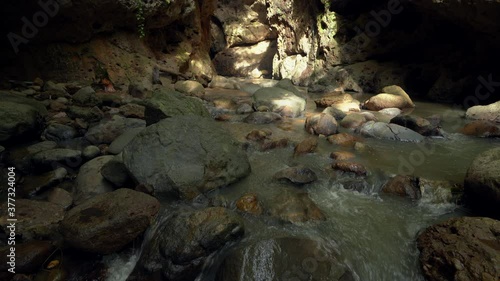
(285, 258)
(20, 120)
(279, 100)
(482, 182)
(485, 112)
(391, 96)
(382, 130)
(465, 249)
(93, 226)
(182, 243)
(167, 103)
(185, 155)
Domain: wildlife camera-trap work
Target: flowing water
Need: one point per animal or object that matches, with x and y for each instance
(374, 234)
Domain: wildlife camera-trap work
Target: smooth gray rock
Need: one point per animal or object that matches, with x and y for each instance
(108, 130)
(91, 152)
(49, 159)
(59, 132)
(90, 182)
(280, 101)
(185, 155)
(86, 96)
(386, 131)
(120, 142)
(19, 121)
(321, 124)
(116, 172)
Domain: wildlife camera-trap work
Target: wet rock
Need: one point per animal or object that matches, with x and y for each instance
(90, 182)
(308, 145)
(286, 258)
(321, 124)
(440, 191)
(35, 184)
(287, 84)
(92, 226)
(19, 121)
(259, 135)
(464, 248)
(60, 197)
(392, 112)
(59, 132)
(132, 110)
(51, 86)
(350, 167)
(223, 82)
(191, 88)
(116, 172)
(249, 203)
(88, 115)
(296, 208)
(35, 219)
(21, 157)
(91, 152)
(280, 101)
(297, 175)
(417, 124)
(342, 155)
(353, 120)
(272, 144)
(30, 256)
(49, 159)
(120, 142)
(405, 186)
(185, 155)
(333, 98)
(108, 130)
(244, 109)
(262, 118)
(166, 103)
(336, 113)
(382, 130)
(391, 97)
(343, 139)
(86, 96)
(485, 112)
(482, 182)
(482, 129)
(347, 107)
(183, 241)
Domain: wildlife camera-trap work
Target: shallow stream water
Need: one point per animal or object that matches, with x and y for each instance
(374, 234)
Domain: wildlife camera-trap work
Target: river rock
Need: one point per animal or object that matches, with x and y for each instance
(60, 197)
(321, 124)
(30, 256)
(191, 88)
(108, 130)
(405, 186)
(485, 112)
(466, 248)
(259, 135)
(21, 157)
(35, 219)
(166, 103)
(350, 167)
(262, 118)
(297, 175)
(343, 139)
(19, 121)
(86, 96)
(49, 159)
(308, 145)
(91, 152)
(482, 182)
(132, 110)
(58, 132)
(249, 203)
(336, 113)
(116, 172)
(391, 97)
(86, 114)
(280, 101)
(34, 184)
(353, 120)
(184, 240)
(120, 142)
(272, 144)
(90, 182)
(295, 208)
(286, 258)
(333, 98)
(391, 111)
(417, 124)
(287, 84)
(92, 226)
(342, 155)
(382, 130)
(440, 191)
(185, 155)
(244, 108)
(482, 129)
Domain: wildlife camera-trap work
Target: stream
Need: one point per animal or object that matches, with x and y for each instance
(373, 233)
